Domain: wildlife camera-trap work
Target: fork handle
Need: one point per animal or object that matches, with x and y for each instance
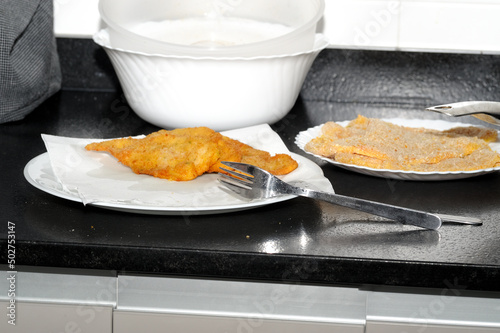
(399, 214)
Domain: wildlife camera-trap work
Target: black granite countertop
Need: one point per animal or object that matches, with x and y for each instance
(297, 240)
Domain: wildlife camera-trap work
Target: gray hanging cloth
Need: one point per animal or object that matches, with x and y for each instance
(29, 65)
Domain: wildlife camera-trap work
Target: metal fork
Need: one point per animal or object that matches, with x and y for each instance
(252, 182)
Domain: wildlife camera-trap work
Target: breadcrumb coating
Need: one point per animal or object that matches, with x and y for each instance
(381, 145)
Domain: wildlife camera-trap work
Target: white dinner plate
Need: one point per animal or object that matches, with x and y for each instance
(38, 172)
(305, 136)
(71, 172)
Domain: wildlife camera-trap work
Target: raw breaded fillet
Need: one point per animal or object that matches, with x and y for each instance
(184, 154)
(378, 144)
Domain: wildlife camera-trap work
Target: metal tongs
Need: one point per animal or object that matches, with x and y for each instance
(485, 111)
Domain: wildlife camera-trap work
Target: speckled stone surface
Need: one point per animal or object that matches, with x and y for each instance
(402, 78)
(300, 240)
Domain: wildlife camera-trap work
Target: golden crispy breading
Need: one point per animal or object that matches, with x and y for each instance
(180, 154)
(184, 154)
(234, 151)
(377, 144)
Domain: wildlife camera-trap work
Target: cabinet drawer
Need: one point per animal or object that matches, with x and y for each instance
(132, 322)
(58, 318)
(387, 327)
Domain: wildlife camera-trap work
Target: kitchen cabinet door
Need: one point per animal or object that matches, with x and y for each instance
(169, 304)
(443, 312)
(57, 318)
(388, 327)
(57, 303)
(132, 322)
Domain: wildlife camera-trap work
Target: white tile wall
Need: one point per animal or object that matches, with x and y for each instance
(450, 25)
(421, 25)
(365, 24)
(76, 18)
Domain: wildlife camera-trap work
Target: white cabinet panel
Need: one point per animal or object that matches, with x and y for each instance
(380, 327)
(444, 312)
(58, 318)
(186, 305)
(132, 322)
(57, 303)
(61, 288)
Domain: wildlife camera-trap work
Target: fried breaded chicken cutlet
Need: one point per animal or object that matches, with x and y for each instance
(186, 153)
(378, 144)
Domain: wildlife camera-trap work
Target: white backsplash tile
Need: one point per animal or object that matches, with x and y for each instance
(362, 23)
(445, 25)
(410, 25)
(76, 18)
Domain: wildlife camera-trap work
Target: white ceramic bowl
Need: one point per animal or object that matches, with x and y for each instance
(173, 92)
(215, 28)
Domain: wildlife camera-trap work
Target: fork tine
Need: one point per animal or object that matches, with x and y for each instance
(242, 167)
(236, 174)
(235, 181)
